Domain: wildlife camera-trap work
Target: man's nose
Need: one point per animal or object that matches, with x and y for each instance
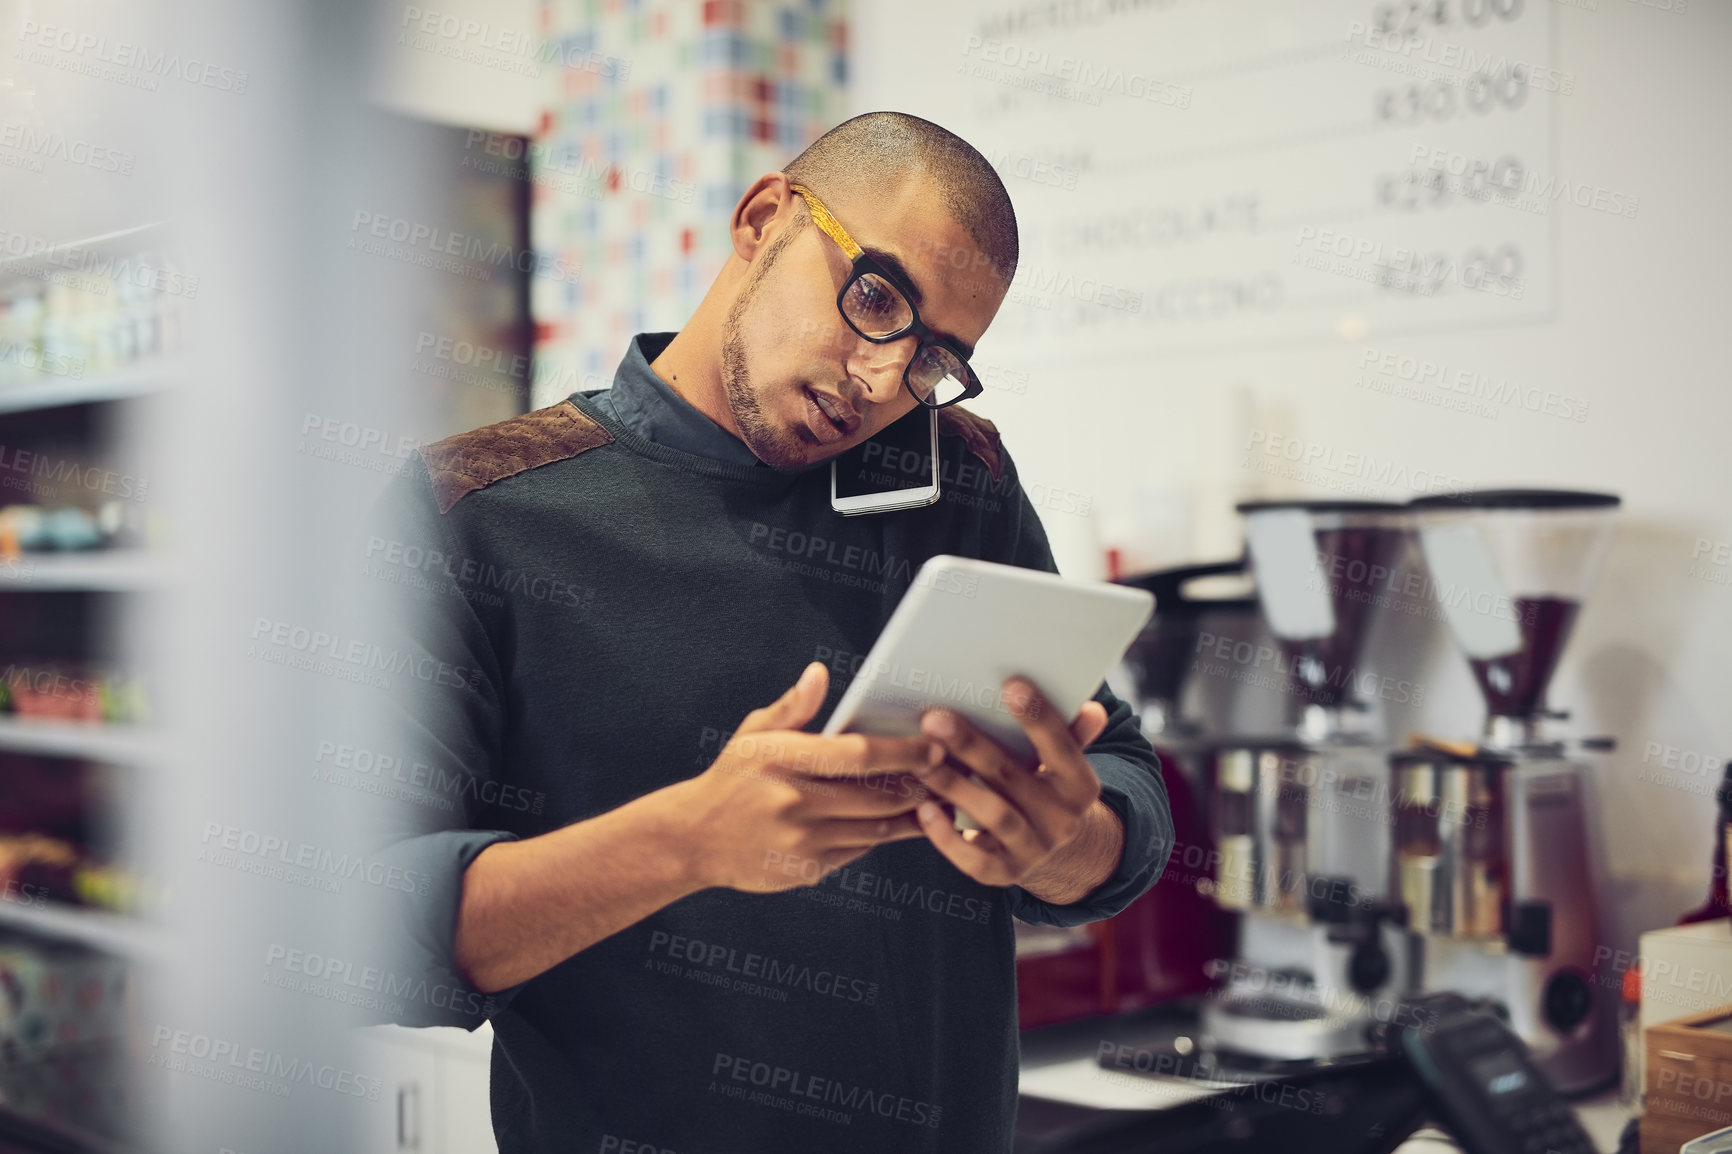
(881, 367)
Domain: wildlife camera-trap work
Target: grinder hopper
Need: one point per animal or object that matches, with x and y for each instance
(1161, 657)
(1319, 565)
(1510, 568)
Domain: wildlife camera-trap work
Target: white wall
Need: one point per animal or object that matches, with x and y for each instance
(470, 63)
(1159, 416)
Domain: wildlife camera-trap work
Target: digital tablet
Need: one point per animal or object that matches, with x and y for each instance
(966, 625)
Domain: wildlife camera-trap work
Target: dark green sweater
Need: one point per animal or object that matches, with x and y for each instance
(615, 607)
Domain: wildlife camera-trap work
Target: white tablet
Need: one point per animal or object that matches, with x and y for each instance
(966, 625)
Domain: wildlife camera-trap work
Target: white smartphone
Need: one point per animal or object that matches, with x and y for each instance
(966, 625)
(895, 469)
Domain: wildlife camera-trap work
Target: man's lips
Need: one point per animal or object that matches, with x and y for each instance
(828, 419)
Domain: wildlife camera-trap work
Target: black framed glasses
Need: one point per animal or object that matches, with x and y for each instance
(878, 308)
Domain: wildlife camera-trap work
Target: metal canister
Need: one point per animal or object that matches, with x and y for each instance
(1260, 813)
(1450, 861)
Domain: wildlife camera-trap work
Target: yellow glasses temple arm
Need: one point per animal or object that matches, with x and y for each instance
(832, 228)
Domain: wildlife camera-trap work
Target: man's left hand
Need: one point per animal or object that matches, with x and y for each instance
(1044, 826)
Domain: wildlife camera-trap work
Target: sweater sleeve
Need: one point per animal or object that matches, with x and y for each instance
(447, 720)
(1123, 759)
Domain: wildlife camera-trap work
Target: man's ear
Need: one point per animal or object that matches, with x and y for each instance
(766, 206)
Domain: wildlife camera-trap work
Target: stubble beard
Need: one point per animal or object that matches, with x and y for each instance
(775, 447)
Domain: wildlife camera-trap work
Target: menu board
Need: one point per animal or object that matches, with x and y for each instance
(1192, 177)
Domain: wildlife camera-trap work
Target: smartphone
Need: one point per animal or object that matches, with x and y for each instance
(895, 469)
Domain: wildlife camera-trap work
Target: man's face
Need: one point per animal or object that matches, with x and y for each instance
(801, 385)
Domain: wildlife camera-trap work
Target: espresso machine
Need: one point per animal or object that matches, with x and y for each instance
(1162, 947)
(1491, 860)
(1298, 817)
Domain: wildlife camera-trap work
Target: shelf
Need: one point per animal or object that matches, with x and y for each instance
(107, 570)
(96, 740)
(33, 266)
(140, 380)
(114, 933)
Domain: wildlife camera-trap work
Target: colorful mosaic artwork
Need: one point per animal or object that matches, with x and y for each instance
(656, 119)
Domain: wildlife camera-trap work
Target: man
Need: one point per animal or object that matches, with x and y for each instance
(694, 925)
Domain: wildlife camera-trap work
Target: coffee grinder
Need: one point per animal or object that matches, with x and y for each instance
(1297, 817)
(1161, 948)
(1491, 858)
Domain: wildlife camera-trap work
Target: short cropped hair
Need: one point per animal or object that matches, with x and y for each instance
(884, 147)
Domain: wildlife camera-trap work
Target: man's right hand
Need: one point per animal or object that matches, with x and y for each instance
(781, 808)
(778, 809)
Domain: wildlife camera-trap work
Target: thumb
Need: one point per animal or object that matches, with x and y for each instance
(1091, 719)
(795, 707)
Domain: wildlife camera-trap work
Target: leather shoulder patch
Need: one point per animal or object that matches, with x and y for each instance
(978, 433)
(461, 464)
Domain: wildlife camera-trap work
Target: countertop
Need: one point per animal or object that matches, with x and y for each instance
(1059, 1064)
